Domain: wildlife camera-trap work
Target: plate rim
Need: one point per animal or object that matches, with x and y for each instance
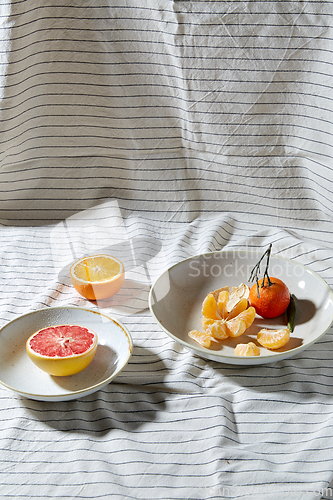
(81, 392)
(232, 359)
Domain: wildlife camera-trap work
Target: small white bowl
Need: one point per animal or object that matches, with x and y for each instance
(18, 372)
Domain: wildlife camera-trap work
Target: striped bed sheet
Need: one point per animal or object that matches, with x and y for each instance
(162, 130)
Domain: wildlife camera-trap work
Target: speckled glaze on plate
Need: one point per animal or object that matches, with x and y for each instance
(18, 372)
(176, 298)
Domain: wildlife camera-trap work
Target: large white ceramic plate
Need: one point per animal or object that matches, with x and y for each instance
(176, 297)
(18, 372)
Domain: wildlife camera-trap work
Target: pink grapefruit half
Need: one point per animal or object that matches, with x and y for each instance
(62, 350)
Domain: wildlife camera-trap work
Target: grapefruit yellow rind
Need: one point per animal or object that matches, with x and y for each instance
(62, 366)
(97, 277)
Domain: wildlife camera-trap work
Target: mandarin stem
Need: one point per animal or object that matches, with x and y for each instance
(267, 266)
(256, 270)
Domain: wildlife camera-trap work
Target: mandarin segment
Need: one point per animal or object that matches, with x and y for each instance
(216, 328)
(201, 337)
(217, 292)
(241, 305)
(209, 308)
(235, 327)
(222, 303)
(273, 339)
(249, 349)
(242, 322)
(248, 316)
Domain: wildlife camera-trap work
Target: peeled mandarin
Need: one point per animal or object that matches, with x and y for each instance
(222, 318)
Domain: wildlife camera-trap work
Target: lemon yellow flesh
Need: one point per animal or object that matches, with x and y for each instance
(97, 269)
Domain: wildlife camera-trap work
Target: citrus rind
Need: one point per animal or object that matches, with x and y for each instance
(273, 299)
(237, 293)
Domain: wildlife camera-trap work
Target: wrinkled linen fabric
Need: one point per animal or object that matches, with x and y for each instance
(166, 129)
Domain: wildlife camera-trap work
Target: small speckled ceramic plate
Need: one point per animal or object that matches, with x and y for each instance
(176, 298)
(18, 372)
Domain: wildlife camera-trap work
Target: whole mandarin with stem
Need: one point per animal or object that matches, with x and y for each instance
(269, 296)
(273, 298)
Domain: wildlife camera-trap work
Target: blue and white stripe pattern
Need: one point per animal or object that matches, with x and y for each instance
(164, 129)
